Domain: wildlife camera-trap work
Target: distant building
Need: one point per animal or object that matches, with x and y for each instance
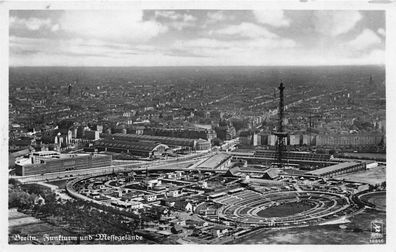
(74, 132)
(308, 140)
(350, 140)
(150, 197)
(151, 182)
(256, 140)
(202, 144)
(69, 89)
(294, 139)
(188, 143)
(322, 140)
(263, 139)
(173, 193)
(99, 128)
(143, 148)
(303, 160)
(63, 137)
(271, 140)
(91, 135)
(194, 133)
(271, 173)
(219, 231)
(291, 155)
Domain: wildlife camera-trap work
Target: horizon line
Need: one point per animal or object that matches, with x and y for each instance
(334, 65)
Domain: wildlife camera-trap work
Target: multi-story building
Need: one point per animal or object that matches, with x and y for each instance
(202, 144)
(308, 139)
(349, 140)
(294, 139)
(50, 162)
(256, 139)
(271, 140)
(326, 140)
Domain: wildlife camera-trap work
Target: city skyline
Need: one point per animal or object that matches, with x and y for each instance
(196, 38)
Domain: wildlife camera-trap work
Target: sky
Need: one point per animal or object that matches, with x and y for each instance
(196, 37)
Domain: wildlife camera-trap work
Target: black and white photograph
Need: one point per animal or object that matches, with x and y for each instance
(192, 126)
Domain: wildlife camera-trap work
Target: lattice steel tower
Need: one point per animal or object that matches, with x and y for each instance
(280, 133)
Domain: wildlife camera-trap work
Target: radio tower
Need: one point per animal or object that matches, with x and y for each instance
(280, 133)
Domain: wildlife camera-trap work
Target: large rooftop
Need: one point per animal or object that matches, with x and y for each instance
(333, 168)
(49, 158)
(160, 139)
(214, 161)
(143, 146)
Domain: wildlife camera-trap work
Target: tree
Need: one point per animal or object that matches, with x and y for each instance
(240, 124)
(216, 142)
(35, 188)
(65, 124)
(332, 151)
(13, 182)
(20, 199)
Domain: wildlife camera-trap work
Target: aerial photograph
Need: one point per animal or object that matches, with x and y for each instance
(196, 126)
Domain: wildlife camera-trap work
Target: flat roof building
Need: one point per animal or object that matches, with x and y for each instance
(51, 162)
(339, 169)
(294, 155)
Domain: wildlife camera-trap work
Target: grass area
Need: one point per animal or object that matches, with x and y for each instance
(378, 199)
(358, 232)
(60, 183)
(372, 176)
(285, 209)
(373, 156)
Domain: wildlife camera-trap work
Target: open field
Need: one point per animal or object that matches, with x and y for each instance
(372, 176)
(379, 156)
(357, 232)
(59, 183)
(286, 209)
(376, 198)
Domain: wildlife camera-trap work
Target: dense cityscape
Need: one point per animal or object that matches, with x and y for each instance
(204, 126)
(319, 103)
(192, 155)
